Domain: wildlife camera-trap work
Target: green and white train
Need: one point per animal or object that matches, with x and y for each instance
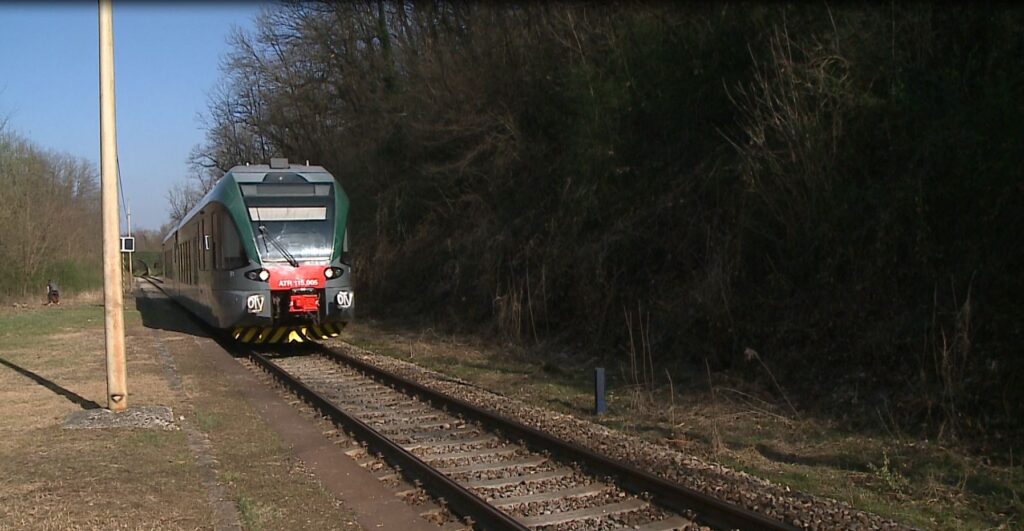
(264, 255)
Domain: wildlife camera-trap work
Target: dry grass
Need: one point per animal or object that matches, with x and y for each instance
(19, 304)
(51, 478)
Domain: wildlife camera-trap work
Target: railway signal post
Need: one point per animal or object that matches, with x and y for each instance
(113, 300)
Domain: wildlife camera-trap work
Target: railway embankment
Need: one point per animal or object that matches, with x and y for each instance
(716, 430)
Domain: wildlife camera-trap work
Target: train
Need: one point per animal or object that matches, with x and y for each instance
(264, 255)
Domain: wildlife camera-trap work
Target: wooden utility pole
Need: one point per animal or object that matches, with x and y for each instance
(113, 301)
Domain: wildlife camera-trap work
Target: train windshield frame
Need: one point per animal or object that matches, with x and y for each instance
(293, 227)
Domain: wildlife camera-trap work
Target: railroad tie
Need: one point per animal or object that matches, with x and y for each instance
(483, 439)
(515, 480)
(627, 506)
(671, 523)
(573, 492)
(471, 454)
(528, 462)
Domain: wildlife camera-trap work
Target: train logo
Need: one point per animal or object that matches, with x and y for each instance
(254, 304)
(345, 299)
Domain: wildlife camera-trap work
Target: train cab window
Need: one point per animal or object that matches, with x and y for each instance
(292, 231)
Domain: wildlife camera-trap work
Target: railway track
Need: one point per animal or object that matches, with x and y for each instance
(493, 472)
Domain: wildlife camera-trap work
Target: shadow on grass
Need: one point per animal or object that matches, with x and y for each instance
(572, 407)
(79, 400)
(855, 463)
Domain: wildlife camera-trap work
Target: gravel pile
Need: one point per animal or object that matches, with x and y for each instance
(782, 503)
(144, 417)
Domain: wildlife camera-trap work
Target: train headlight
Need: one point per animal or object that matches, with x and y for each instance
(333, 272)
(258, 274)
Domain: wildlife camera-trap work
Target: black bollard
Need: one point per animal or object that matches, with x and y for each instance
(599, 405)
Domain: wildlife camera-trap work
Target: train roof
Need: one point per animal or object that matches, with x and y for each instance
(256, 172)
(252, 173)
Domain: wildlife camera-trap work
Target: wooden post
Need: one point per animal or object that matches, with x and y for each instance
(113, 300)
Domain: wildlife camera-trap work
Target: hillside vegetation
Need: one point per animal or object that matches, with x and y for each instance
(49, 220)
(831, 192)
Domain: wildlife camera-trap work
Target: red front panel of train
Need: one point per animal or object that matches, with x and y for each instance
(304, 303)
(288, 277)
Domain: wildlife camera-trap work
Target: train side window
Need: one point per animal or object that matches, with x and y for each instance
(230, 254)
(211, 239)
(200, 246)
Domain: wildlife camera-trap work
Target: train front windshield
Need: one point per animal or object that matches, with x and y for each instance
(291, 227)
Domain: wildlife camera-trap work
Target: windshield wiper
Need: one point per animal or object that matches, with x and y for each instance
(280, 248)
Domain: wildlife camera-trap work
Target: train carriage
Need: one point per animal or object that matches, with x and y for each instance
(264, 254)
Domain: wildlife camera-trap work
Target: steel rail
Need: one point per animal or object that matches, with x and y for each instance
(709, 510)
(464, 502)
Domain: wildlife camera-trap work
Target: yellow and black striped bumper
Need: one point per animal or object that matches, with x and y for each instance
(286, 334)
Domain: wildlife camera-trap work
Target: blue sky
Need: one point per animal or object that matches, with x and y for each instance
(166, 60)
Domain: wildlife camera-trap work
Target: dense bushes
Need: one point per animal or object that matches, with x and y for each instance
(837, 189)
